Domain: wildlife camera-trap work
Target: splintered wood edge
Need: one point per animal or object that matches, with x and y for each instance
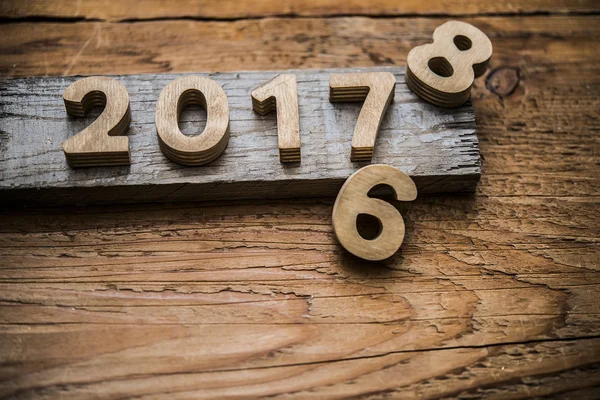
(438, 148)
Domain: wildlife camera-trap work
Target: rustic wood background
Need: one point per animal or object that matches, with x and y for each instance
(493, 295)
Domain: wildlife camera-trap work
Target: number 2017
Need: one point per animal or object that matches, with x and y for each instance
(102, 143)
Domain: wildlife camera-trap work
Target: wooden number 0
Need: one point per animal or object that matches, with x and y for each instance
(281, 93)
(100, 144)
(353, 200)
(377, 90)
(203, 148)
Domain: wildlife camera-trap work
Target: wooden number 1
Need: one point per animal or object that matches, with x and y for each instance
(101, 143)
(200, 149)
(377, 90)
(353, 200)
(281, 93)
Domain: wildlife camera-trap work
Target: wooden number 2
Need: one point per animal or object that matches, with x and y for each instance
(377, 90)
(101, 143)
(353, 200)
(281, 93)
(442, 72)
(200, 149)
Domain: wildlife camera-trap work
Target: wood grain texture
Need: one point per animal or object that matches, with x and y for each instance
(492, 295)
(437, 148)
(128, 10)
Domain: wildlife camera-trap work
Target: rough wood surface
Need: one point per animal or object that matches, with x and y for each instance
(493, 295)
(132, 10)
(437, 148)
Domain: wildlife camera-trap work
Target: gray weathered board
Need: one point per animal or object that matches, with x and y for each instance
(437, 147)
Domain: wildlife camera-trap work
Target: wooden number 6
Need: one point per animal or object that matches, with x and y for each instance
(100, 144)
(353, 200)
(377, 90)
(203, 148)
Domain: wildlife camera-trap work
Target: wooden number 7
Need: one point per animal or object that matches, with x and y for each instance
(377, 90)
(101, 143)
(200, 149)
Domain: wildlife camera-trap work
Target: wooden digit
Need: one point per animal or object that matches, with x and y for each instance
(353, 200)
(192, 150)
(101, 143)
(442, 72)
(377, 90)
(281, 93)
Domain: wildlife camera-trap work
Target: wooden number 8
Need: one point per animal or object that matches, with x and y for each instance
(203, 148)
(353, 200)
(442, 72)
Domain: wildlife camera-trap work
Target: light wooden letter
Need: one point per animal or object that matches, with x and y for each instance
(281, 93)
(377, 90)
(353, 200)
(100, 144)
(200, 149)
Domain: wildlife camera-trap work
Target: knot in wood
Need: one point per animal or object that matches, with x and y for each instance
(503, 81)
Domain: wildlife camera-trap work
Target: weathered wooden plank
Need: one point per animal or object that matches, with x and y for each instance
(437, 148)
(131, 10)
